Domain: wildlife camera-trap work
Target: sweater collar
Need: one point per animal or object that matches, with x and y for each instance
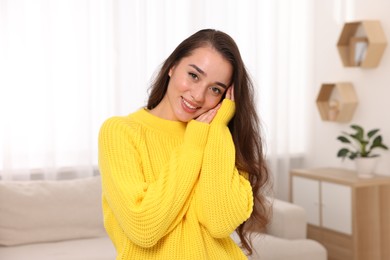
(160, 124)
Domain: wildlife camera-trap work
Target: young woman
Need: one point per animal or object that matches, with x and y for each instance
(182, 174)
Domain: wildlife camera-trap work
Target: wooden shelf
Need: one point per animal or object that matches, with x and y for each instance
(337, 101)
(361, 44)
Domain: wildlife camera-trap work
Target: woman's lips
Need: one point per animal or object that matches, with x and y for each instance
(188, 106)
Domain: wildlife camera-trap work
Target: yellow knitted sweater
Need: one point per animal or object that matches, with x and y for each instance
(171, 189)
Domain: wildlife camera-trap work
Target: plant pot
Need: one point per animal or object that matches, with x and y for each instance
(365, 166)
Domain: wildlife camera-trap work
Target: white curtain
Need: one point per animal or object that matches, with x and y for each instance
(66, 65)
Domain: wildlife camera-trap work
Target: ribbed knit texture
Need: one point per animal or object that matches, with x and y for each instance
(171, 189)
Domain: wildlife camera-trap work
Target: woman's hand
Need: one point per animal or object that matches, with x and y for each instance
(208, 116)
(230, 93)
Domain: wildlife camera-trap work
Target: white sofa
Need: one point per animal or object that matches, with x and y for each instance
(285, 237)
(62, 220)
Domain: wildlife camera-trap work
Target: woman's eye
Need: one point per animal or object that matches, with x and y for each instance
(193, 75)
(216, 90)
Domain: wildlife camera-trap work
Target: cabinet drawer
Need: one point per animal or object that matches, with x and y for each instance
(327, 204)
(305, 193)
(336, 207)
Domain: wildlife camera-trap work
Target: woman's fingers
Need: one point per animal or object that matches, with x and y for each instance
(208, 116)
(230, 93)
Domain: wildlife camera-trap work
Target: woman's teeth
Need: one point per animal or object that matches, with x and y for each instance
(188, 105)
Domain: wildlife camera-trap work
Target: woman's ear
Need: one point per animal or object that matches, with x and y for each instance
(171, 71)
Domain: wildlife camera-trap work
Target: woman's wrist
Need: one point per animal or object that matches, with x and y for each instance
(225, 112)
(196, 133)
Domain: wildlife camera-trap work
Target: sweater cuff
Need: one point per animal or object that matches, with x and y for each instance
(196, 133)
(225, 112)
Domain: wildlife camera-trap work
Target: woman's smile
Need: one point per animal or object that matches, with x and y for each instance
(188, 105)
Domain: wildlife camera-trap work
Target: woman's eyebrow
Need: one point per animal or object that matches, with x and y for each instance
(205, 74)
(198, 69)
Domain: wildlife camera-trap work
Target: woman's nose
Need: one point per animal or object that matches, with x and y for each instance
(198, 94)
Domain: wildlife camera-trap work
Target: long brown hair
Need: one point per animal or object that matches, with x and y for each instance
(244, 126)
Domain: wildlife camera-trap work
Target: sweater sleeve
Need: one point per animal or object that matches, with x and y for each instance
(146, 212)
(224, 197)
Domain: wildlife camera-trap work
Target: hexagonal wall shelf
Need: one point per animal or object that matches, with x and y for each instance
(337, 101)
(361, 44)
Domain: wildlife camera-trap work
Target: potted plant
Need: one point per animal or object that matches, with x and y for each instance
(360, 147)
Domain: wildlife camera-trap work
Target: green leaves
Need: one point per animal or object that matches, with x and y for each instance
(343, 139)
(359, 144)
(378, 143)
(359, 135)
(372, 133)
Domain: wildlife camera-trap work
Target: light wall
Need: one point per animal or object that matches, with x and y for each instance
(372, 85)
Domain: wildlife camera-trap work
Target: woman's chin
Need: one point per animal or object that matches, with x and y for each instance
(185, 117)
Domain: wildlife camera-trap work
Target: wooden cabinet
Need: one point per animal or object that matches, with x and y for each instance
(348, 215)
(323, 201)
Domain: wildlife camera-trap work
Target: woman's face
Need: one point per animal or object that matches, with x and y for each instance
(197, 84)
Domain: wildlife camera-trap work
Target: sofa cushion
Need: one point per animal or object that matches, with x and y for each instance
(99, 248)
(42, 211)
(288, 220)
(275, 248)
